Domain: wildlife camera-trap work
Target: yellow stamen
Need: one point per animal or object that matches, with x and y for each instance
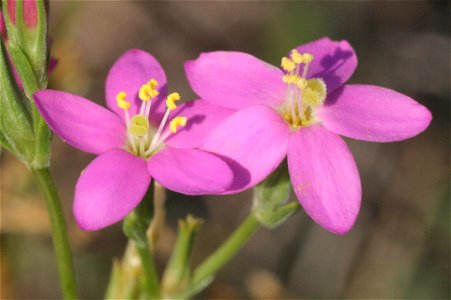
(303, 95)
(301, 83)
(153, 83)
(121, 102)
(296, 56)
(146, 92)
(171, 99)
(287, 64)
(293, 78)
(177, 122)
(307, 58)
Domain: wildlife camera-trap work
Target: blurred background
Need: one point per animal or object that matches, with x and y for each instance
(399, 247)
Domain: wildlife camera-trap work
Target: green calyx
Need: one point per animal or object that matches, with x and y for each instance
(270, 199)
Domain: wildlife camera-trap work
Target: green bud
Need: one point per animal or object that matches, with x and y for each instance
(271, 196)
(177, 274)
(26, 23)
(16, 125)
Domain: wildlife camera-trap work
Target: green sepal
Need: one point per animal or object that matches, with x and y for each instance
(15, 118)
(42, 134)
(135, 228)
(24, 69)
(136, 223)
(43, 140)
(271, 196)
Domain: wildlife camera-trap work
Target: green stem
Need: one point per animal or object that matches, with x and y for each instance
(59, 232)
(150, 273)
(207, 270)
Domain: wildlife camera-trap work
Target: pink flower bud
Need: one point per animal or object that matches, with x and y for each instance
(30, 12)
(2, 27)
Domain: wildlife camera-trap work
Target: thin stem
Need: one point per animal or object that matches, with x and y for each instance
(59, 232)
(206, 271)
(151, 284)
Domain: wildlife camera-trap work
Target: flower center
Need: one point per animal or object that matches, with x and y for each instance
(303, 94)
(142, 139)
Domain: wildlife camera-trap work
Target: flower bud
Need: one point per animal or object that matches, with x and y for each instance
(26, 24)
(2, 27)
(177, 274)
(30, 12)
(16, 129)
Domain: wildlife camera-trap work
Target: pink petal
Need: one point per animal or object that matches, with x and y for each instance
(235, 80)
(334, 61)
(372, 113)
(202, 118)
(190, 171)
(2, 27)
(325, 178)
(133, 69)
(109, 188)
(254, 140)
(80, 122)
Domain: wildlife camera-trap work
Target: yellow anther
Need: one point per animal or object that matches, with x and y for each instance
(296, 56)
(148, 91)
(153, 83)
(291, 78)
(301, 83)
(171, 99)
(121, 102)
(287, 64)
(177, 122)
(307, 58)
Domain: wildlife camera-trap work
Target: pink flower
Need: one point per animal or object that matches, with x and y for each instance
(300, 112)
(133, 140)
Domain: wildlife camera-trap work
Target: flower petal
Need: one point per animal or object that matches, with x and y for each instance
(334, 61)
(254, 140)
(202, 118)
(325, 178)
(109, 188)
(372, 113)
(190, 171)
(133, 69)
(81, 123)
(235, 80)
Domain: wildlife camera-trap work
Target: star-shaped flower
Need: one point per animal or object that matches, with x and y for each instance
(141, 136)
(299, 112)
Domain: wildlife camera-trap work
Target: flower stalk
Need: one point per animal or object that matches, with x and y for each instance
(135, 228)
(177, 274)
(206, 272)
(59, 232)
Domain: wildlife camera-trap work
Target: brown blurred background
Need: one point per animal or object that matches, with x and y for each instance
(399, 247)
